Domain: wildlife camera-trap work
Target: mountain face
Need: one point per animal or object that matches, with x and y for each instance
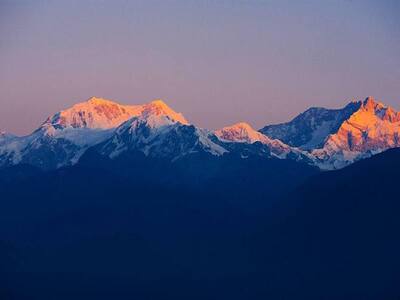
(95, 113)
(159, 132)
(153, 129)
(310, 129)
(337, 138)
(243, 133)
(64, 137)
(372, 129)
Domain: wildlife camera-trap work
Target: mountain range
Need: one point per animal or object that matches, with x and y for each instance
(134, 202)
(326, 138)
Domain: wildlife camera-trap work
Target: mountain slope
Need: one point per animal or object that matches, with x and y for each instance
(243, 133)
(310, 129)
(95, 113)
(337, 138)
(373, 128)
(65, 136)
(159, 132)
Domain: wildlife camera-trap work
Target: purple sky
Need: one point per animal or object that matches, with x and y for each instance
(217, 62)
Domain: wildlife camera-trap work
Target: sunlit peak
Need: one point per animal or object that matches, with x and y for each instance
(98, 100)
(158, 102)
(159, 107)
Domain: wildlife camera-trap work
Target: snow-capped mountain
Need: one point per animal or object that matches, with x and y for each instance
(327, 138)
(160, 132)
(310, 129)
(95, 113)
(336, 138)
(64, 137)
(373, 128)
(243, 133)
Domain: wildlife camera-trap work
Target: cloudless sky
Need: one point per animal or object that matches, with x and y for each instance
(217, 62)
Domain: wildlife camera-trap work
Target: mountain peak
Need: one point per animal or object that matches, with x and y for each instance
(100, 113)
(158, 102)
(371, 104)
(310, 129)
(240, 132)
(99, 100)
(373, 128)
(373, 108)
(159, 108)
(95, 113)
(243, 125)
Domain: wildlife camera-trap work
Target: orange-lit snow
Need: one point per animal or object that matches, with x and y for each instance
(372, 129)
(99, 113)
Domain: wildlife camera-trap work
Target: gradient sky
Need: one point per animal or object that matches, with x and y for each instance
(217, 62)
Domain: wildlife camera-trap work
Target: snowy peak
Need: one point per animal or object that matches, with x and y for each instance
(370, 104)
(338, 137)
(373, 128)
(64, 137)
(99, 113)
(159, 132)
(99, 101)
(159, 108)
(154, 115)
(161, 136)
(241, 132)
(386, 113)
(310, 129)
(95, 113)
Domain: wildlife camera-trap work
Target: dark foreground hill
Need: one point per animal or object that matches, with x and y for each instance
(200, 229)
(344, 226)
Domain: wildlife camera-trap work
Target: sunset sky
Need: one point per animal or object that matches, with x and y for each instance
(217, 62)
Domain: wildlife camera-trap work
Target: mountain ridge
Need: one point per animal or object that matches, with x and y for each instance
(327, 138)
(301, 130)
(372, 129)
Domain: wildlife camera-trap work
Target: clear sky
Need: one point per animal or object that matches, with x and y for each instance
(217, 62)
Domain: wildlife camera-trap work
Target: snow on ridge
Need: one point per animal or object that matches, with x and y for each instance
(159, 134)
(99, 113)
(65, 136)
(241, 132)
(331, 138)
(370, 130)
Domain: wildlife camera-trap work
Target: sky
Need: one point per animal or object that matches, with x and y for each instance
(217, 62)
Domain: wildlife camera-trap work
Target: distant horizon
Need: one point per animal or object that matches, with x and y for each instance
(217, 62)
